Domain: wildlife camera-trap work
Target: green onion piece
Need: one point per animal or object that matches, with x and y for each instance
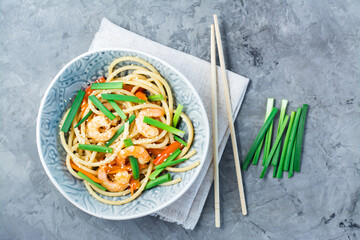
(162, 179)
(134, 167)
(258, 150)
(106, 85)
(257, 153)
(117, 109)
(177, 115)
(83, 119)
(299, 138)
(275, 168)
(163, 126)
(95, 148)
(292, 140)
(291, 169)
(167, 164)
(119, 131)
(124, 98)
(180, 141)
(286, 142)
(128, 142)
(86, 178)
(268, 137)
(274, 147)
(101, 107)
(284, 103)
(159, 97)
(154, 174)
(73, 110)
(275, 159)
(258, 139)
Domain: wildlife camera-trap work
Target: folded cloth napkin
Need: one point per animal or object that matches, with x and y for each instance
(186, 210)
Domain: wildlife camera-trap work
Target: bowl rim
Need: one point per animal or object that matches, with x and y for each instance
(58, 187)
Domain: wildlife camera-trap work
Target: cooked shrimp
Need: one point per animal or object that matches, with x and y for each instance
(139, 152)
(114, 122)
(145, 129)
(120, 183)
(99, 129)
(120, 161)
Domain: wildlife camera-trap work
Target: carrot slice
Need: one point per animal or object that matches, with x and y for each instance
(167, 152)
(128, 87)
(89, 175)
(155, 151)
(134, 185)
(141, 95)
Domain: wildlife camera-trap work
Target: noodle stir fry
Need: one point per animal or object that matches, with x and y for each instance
(121, 134)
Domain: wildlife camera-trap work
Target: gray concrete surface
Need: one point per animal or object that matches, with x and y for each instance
(304, 51)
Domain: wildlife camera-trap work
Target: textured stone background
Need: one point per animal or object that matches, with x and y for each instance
(304, 51)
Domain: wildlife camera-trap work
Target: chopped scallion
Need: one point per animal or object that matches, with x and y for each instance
(134, 167)
(177, 115)
(117, 109)
(83, 119)
(128, 142)
(292, 140)
(159, 97)
(101, 107)
(180, 140)
(299, 138)
(73, 110)
(274, 147)
(268, 137)
(164, 126)
(257, 153)
(124, 98)
(107, 85)
(171, 163)
(95, 148)
(119, 131)
(275, 159)
(258, 150)
(258, 138)
(280, 170)
(162, 179)
(292, 162)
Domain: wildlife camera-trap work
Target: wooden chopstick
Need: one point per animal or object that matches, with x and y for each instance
(215, 129)
(230, 117)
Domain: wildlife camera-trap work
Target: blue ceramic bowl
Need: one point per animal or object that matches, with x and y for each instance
(76, 75)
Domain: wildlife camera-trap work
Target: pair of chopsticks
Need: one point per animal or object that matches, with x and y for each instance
(216, 31)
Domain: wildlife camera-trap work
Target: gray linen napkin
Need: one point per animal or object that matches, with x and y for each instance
(186, 210)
